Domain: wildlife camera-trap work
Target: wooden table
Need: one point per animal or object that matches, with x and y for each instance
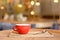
(56, 37)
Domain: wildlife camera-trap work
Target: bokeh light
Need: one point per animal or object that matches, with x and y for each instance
(20, 5)
(37, 4)
(32, 2)
(2, 7)
(32, 12)
(55, 1)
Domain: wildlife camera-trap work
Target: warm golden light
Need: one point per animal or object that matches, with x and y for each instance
(37, 3)
(2, 7)
(32, 12)
(20, 5)
(55, 1)
(32, 2)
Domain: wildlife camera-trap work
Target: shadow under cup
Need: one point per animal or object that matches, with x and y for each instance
(22, 28)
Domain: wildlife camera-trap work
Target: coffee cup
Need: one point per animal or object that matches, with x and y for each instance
(22, 28)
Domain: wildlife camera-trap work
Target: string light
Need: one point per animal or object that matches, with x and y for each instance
(32, 2)
(32, 12)
(20, 5)
(37, 4)
(55, 1)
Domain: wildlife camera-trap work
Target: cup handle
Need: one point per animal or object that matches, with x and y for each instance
(14, 28)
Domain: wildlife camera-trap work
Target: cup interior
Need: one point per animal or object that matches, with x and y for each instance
(23, 24)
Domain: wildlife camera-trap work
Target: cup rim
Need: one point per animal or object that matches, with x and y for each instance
(23, 24)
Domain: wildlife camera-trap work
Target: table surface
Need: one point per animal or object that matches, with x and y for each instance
(6, 32)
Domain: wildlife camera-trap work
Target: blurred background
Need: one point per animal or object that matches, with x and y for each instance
(30, 8)
(18, 11)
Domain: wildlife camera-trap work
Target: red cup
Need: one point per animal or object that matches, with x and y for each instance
(22, 28)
